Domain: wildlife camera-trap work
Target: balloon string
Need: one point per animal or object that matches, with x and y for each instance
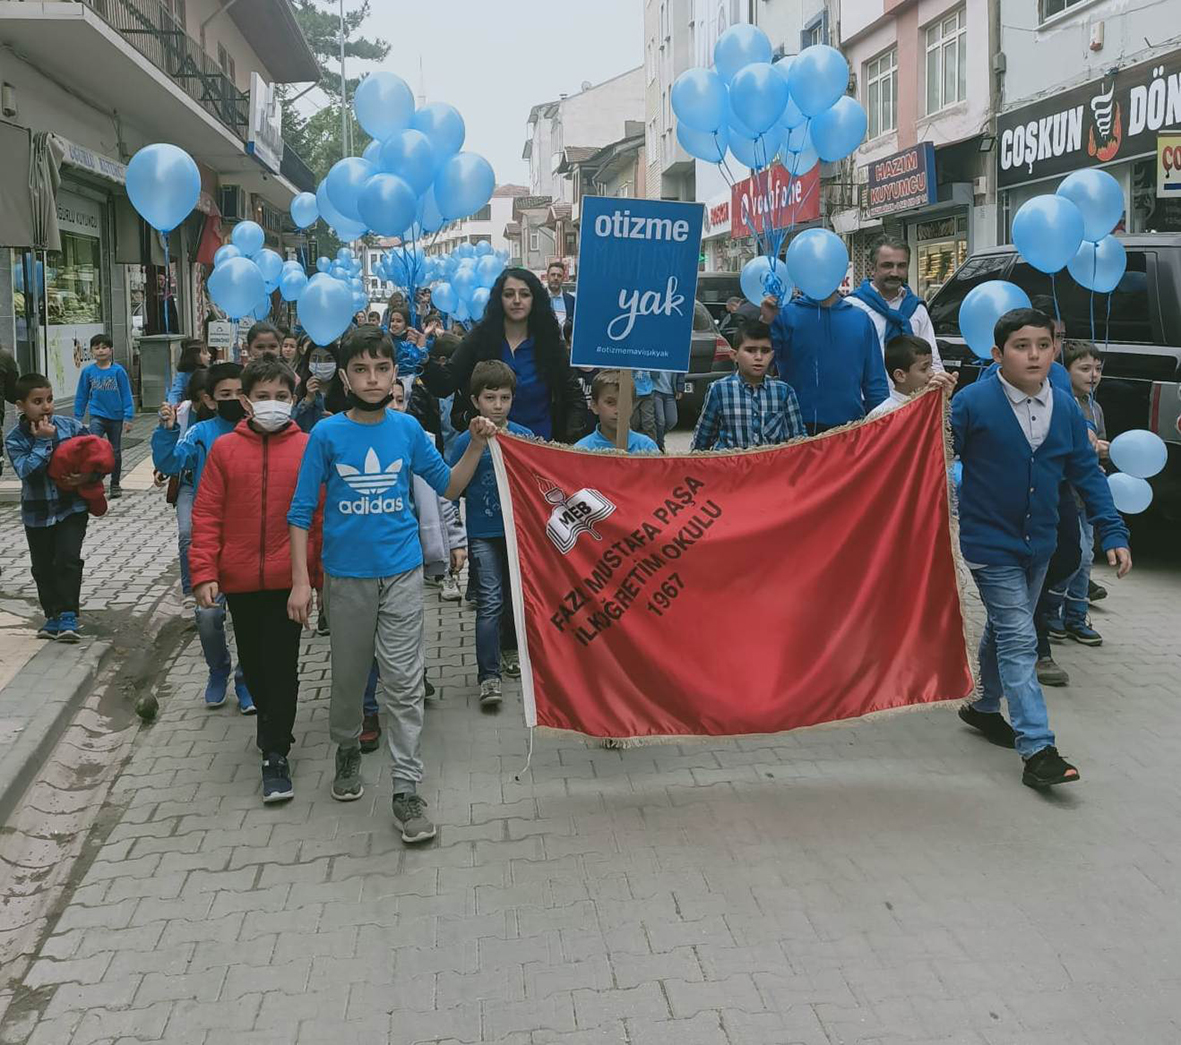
(1094, 270)
(167, 284)
(1107, 325)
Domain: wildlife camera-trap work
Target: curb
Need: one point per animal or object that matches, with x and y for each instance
(54, 681)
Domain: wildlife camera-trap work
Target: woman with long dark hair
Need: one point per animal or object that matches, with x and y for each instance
(520, 329)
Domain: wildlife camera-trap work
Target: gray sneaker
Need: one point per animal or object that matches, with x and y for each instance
(510, 663)
(347, 785)
(410, 816)
(490, 693)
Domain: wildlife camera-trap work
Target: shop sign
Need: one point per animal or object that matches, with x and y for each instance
(773, 199)
(220, 336)
(940, 228)
(903, 181)
(717, 216)
(265, 139)
(80, 216)
(1116, 117)
(95, 162)
(1168, 165)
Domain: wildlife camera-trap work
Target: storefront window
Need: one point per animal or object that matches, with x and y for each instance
(942, 248)
(1151, 213)
(73, 291)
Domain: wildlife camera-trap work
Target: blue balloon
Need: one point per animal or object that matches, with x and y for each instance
(763, 276)
(236, 286)
(464, 250)
(704, 145)
(837, 131)
(360, 300)
(479, 302)
(792, 117)
(1099, 266)
(443, 125)
(817, 261)
(957, 473)
(384, 104)
(740, 46)
(325, 308)
(344, 183)
(224, 253)
(488, 270)
(1048, 231)
(248, 237)
(345, 255)
(372, 152)
(737, 127)
(410, 155)
(465, 281)
(303, 210)
(323, 264)
(429, 218)
(387, 204)
(1139, 452)
(982, 306)
(759, 95)
(699, 99)
(270, 264)
(461, 313)
(799, 154)
(163, 184)
(464, 184)
(342, 226)
(1130, 494)
(483, 249)
(1099, 198)
(817, 78)
(444, 298)
(292, 280)
(757, 154)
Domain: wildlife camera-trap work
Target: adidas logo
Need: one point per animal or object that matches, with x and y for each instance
(371, 483)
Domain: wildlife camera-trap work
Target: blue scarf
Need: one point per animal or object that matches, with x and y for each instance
(897, 320)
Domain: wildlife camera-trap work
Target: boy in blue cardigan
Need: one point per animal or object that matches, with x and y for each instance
(103, 386)
(1018, 437)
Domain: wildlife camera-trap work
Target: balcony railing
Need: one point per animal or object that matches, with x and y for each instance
(153, 31)
(296, 171)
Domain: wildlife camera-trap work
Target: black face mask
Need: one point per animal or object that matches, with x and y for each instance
(355, 402)
(231, 410)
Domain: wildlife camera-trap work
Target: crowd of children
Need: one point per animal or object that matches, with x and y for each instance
(328, 477)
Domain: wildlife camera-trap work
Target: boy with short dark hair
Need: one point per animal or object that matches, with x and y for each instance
(241, 551)
(748, 408)
(185, 456)
(372, 557)
(605, 406)
(492, 386)
(1008, 506)
(103, 386)
(54, 519)
(909, 362)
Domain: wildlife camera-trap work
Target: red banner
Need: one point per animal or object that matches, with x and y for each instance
(735, 593)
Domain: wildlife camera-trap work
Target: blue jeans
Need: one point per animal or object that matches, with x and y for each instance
(490, 556)
(665, 406)
(369, 704)
(185, 495)
(211, 630)
(1008, 651)
(1080, 583)
(111, 429)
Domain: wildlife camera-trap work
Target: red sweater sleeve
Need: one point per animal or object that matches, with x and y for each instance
(208, 512)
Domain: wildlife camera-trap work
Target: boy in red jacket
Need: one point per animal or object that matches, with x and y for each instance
(240, 548)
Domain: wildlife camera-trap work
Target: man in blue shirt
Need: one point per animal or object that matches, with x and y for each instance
(1017, 437)
(828, 351)
(364, 458)
(104, 388)
(605, 404)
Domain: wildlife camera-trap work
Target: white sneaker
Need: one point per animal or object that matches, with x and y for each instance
(450, 591)
(490, 695)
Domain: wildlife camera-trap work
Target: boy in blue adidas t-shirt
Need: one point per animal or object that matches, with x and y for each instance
(365, 457)
(104, 388)
(605, 404)
(492, 386)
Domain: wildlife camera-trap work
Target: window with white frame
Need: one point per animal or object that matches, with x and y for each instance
(881, 93)
(947, 61)
(1049, 8)
(534, 240)
(651, 63)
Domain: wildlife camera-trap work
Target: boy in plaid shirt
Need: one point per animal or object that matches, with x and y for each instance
(54, 519)
(748, 408)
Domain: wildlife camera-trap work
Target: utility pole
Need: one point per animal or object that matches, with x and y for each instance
(344, 93)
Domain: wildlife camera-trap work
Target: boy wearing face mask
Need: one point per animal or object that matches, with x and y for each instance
(185, 456)
(244, 553)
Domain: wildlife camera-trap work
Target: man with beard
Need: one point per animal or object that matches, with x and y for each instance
(892, 306)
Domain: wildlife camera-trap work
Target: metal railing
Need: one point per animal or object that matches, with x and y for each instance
(152, 30)
(296, 171)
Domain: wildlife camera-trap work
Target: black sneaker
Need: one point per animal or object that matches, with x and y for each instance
(427, 689)
(410, 816)
(1046, 768)
(347, 785)
(116, 493)
(276, 779)
(1095, 592)
(322, 624)
(992, 724)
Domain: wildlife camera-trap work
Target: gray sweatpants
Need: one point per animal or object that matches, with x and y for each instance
(382, 617)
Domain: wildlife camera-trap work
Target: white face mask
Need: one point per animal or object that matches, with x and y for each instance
(323, 371)
(271, 414)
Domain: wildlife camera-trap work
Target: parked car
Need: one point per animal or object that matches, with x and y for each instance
(714, 289)
(710, 357)
(1138, 329)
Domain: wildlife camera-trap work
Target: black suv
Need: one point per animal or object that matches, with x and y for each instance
(1140, 337)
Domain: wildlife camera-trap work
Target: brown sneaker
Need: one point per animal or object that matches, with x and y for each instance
(370, 733)
(1050, 673)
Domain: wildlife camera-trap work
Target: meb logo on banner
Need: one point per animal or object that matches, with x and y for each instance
(637, 279)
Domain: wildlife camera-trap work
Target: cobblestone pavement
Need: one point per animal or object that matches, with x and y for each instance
(879, 882)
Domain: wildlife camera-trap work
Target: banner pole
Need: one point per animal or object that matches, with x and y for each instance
(623, 425)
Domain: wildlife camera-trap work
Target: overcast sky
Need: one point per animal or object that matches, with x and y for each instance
(495, 59)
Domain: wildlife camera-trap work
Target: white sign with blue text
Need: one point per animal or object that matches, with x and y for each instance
(637, 278)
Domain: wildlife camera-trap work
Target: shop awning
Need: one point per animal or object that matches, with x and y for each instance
(16, 202)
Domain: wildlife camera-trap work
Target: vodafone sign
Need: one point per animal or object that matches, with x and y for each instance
(773, 199)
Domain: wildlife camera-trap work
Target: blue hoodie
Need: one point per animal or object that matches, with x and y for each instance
(832, 358)
(175, 456)
(106, 391)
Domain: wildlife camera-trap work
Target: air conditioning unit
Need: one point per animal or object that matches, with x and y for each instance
(233, 203)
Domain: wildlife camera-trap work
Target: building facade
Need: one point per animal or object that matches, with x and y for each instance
(85, 86)
(486, 225)
(669, 49)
